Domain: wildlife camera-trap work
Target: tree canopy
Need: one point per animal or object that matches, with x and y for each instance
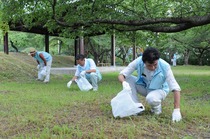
(92, 17)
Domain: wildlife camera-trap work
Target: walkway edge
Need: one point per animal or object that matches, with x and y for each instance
(72, 70)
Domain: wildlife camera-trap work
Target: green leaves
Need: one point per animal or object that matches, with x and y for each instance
(4, 27)
(68, 17)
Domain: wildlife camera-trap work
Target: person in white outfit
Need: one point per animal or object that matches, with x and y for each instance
(86, 67)
(154, 81)
(44, 61)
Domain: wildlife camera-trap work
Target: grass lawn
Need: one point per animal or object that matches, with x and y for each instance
(31, 109)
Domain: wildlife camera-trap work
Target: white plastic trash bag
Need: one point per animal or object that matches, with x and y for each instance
(83, 84)
(43, 72)
(123, 105)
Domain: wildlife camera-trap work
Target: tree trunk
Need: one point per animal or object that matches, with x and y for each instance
(200, 62)
(96, 58)
(59, 47)
(186, 56)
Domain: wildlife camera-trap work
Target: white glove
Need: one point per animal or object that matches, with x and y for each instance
(176, 115)
(82, 73)
(38, 67)
(126, 85)
(69, 84)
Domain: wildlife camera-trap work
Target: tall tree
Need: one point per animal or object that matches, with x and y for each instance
(99, 48)
(96, 16)
(197, 41)
(72, 18)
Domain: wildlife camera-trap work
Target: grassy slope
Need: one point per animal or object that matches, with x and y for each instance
(16, 68)
(22, 67)
(63, 61)
(31, 109)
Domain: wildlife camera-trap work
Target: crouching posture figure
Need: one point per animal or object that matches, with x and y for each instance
(44, 61)
(154, 81)
(86, 67)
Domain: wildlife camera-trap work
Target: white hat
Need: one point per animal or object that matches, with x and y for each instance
(31, 50)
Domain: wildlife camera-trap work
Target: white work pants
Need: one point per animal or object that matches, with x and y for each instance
(153, 98)
(94, 79)
(48, 68)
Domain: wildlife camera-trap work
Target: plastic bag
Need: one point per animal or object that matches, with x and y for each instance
(123, 105)
(83, 84)
(43, 72)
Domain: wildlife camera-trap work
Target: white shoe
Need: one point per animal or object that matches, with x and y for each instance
(45, 81)
(95, 89)
(156, 110)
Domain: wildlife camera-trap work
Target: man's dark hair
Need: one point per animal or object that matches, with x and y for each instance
(80, 57)
(150, 55)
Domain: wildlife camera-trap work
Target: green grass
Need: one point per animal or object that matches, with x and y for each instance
(31, 109)
(37, 110)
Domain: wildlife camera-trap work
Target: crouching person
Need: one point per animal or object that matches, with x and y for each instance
(44, 61)
(86, 67)
(154, 81)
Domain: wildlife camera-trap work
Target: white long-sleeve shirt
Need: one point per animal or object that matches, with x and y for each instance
(92, 66)
(171, 81)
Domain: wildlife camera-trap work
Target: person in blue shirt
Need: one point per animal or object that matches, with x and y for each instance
(86, 67)
(154, 81)
(44, 61)
(174, 59)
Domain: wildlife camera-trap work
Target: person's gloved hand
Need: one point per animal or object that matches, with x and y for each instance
(82, 73)
(126, 85)
(38, 67)
(69, 84)
(176, 115)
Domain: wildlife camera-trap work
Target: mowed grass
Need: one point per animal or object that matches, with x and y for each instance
(31, 109)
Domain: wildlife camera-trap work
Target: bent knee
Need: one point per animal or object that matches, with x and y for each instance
(93, 73)
(152, 100)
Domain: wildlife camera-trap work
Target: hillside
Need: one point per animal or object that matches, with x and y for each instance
(21, 67)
